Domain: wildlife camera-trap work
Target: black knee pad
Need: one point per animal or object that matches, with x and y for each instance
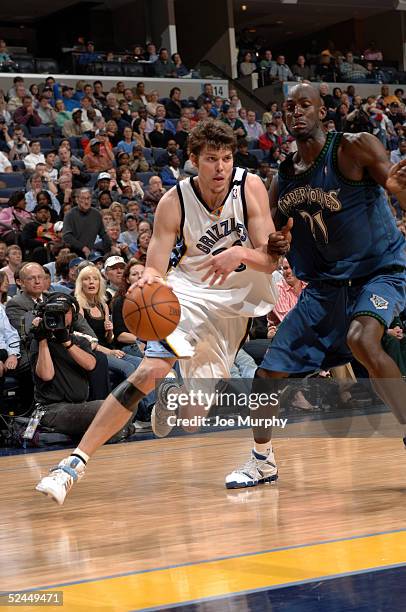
(128, 395)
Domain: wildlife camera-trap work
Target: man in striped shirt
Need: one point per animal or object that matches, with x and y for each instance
(290, 287)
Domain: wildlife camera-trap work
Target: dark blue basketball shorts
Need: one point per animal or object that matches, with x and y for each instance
(313, 335)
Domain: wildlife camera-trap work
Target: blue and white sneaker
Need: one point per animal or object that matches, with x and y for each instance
(257, 470)
(160, 412)
(61, 478)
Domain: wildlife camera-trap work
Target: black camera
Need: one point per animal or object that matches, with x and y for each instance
(52, 315)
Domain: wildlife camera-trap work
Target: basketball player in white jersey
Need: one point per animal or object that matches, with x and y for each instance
(222, 220)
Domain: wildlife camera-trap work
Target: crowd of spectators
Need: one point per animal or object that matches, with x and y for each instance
(81, 173)
(328, 64)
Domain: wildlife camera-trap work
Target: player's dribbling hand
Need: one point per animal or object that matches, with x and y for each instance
(279, 242)
(148, 278)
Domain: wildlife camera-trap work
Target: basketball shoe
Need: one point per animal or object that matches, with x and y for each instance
(257, 470)
(61, 478)
(160, 412)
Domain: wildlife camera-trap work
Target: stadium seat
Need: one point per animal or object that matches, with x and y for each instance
(12, 179)
(144, 177)
(6, 193)
(112, 69)
(18, 164)
(156, 152)
(45, 141)
(259, 154)
(47, 66)
(133, 70)
(26, 65)
(147, 154)
(41, 130)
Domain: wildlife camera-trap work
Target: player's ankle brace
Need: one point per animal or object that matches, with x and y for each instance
(128, 395)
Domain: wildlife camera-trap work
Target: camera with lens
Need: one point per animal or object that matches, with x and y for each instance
(52, 315)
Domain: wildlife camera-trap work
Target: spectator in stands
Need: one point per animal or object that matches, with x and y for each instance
(130, 234)
(153, 193)
(5, 164)
(253, 127)
(67, 160)
(372, 54)
(131, 274)
(301, 70)
(46, 113)
(13, 217)
(236, 124)
(172, 148)
(281, 71)
(171, 173)
(67, 270)
(35, 156)
(111, 105)
(141, 137)
(14, 259)
(62, 115)
(266, 63)
(5, 115)
(153, 103)
(173, 106)
(164, 66)
(400, 153)
(327, 98)
(181, 69)
(17, 99)
(38, 235)
(182, 134)
(26, 115)
(140, 96)
(97, 160)
(67, 98)
(340, 118)
(3, 253)
(89, 57)
(99, 95)
(207, 93)
(351, 71)
(127, 144)
(160, 136)
(82, 225)
(269, 140)
(243, 158)
(118, 247)
(326, 69)
(247, 66)
(4, 287)
(144, 239)
(150, 53)
(90, 294)
(113, 272)
(75, 126)
(265, 174)
(9, 343)
(125, 180)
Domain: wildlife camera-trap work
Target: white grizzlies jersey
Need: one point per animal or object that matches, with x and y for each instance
(205, 233)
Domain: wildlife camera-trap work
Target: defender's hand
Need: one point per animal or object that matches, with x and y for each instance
(279, 242)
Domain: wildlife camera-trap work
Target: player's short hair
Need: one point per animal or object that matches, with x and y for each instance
(213, 134)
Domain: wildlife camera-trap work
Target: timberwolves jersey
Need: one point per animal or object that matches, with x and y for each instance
(205, 233)
(342, 229)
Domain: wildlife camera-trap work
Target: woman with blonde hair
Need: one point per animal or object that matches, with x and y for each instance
(117, 211)
(153, 98)
(90, 292)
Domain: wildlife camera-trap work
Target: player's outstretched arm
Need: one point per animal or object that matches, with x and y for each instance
(368, 153)
(166, 228)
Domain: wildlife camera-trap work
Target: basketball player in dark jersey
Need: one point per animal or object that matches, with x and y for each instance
(331, 206)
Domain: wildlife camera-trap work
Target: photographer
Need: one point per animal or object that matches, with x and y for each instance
(61, 363)
(18, 144)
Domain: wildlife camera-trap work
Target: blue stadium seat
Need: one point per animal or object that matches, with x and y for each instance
(75, 142)
(259, 154)
(12, 180)
(45, 142)
(156, 152)
(144, 177)
(41, 130)
(147, 154)
(173, 122)
(18, 164)
(6, 193)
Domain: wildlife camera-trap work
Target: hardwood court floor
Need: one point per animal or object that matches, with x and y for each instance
(162, 503)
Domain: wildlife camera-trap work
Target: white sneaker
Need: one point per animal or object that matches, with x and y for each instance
(61, 479)
(160, 413)
(255, 471)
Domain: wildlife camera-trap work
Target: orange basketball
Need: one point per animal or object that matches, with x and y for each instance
(151, 313)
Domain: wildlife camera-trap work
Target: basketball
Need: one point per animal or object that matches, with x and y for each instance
(151, 312)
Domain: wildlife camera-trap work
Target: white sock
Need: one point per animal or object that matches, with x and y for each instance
(79, 453)
(263, 449)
